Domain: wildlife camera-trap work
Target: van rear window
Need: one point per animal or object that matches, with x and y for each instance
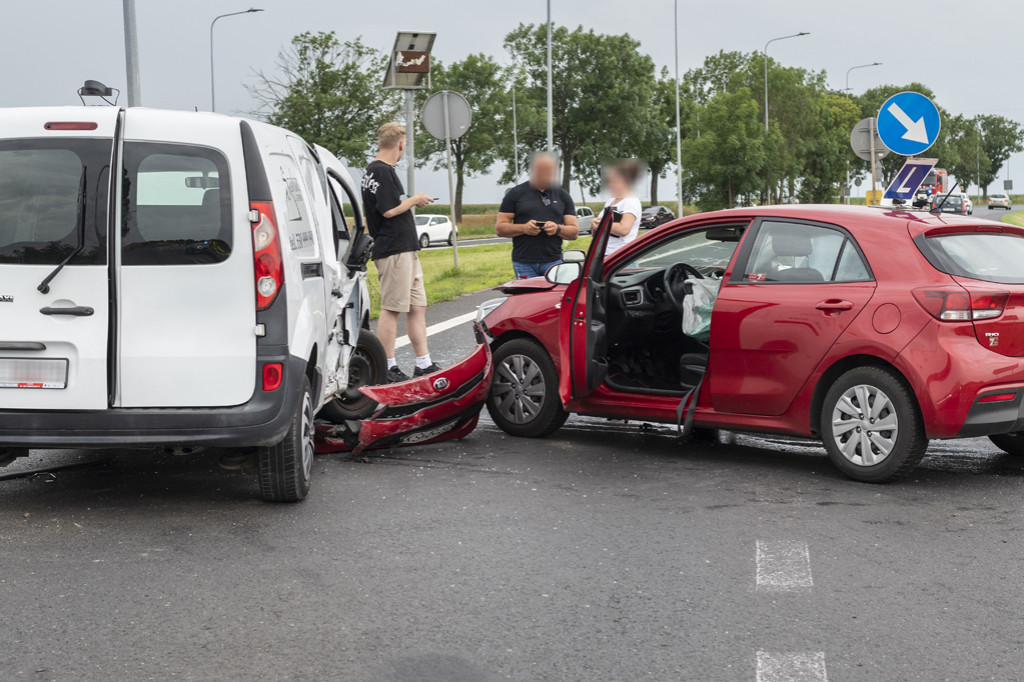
(53, 201)
(177, 205)
(985, 256)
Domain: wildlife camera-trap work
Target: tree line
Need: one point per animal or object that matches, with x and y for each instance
(610, 101)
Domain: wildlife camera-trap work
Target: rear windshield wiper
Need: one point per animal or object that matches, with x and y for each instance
(44, 286)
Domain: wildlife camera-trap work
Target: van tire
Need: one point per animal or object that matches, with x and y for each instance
(369, 367)
(550, 417)
(286, 468)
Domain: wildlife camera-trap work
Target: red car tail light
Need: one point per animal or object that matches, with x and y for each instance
(266, 247)
(956, 304)
(273, 375)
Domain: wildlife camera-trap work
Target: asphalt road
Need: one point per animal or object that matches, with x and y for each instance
(608, 551)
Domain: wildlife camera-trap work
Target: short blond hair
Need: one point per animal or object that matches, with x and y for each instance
(389, 134)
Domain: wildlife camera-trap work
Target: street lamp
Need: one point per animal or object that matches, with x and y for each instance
(213, 92)
(551, 125)
(515, 126)
(977, 143)
(679, 130)
(862, 66)
(795, 35)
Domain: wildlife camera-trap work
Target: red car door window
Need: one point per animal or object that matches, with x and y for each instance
(799, 287)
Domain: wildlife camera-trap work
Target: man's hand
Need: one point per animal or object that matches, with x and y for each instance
(550, 228)
(421, 199)
(531, 228)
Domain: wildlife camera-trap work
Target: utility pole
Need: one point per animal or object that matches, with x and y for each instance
(551, 125)
(679, 130)
(131, 55)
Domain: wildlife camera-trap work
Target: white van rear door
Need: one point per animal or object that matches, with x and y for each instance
(54, 190)
(185, 280)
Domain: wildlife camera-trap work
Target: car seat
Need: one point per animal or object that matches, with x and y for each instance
(789, 243)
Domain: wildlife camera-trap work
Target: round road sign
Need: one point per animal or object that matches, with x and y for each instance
(450, 105)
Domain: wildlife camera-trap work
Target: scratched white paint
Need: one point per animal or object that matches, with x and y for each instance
(791, 667)
(783, 565)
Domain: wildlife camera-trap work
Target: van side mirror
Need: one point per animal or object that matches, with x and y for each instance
(564, 273)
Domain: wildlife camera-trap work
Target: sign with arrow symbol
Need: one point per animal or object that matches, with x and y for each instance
(908, 123)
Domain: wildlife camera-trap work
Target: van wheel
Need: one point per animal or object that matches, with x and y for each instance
(368, 367)
(524, 398)
(871, 425)
(424, 240)
(1010, 443)
(286, 468)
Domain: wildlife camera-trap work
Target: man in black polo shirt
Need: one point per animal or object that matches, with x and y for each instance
(538, 215)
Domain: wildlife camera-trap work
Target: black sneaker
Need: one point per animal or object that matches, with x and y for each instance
(396, 375)
(434, 367)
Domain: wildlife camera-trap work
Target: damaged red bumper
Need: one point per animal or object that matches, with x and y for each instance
(441, 406)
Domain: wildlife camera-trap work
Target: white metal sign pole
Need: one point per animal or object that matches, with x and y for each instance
(451, 185)
(874, 161)
(410, 144)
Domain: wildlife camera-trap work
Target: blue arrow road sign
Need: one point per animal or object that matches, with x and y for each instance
(908, 180)
(908, 123)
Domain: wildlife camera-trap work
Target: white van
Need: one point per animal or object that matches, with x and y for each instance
(178, 280)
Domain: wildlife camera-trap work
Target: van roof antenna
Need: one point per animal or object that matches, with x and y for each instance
(93, 88)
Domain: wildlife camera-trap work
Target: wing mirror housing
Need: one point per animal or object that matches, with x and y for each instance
(573, 256)
(564, 273)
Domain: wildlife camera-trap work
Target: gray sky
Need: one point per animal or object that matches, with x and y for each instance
(966, 52)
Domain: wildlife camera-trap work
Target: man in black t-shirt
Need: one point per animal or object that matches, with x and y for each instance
(539, 216)
(392, 225)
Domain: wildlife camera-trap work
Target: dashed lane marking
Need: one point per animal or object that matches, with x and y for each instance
(783, 566)
(791, 667)
(439, 327)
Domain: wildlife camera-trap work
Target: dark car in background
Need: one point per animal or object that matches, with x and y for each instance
(654, 216)
(953, 203)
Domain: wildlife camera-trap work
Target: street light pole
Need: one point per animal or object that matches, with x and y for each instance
(131, 55)
(679, 130)
(213, 92)
(862, 66)
(795, 35)
(551, 126)
(977, 142)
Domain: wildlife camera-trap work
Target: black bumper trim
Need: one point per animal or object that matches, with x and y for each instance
(264, 420)
(989, 419)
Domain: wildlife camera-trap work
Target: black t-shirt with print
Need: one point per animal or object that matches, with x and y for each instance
(528, 203)
(382, 191)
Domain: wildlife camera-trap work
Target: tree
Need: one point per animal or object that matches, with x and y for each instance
(1000, 137)
(603, 89)
(479, 78)
(328, 92)
(731, 153)
(658, 146)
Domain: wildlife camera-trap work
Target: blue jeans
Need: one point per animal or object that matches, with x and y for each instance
(528, 270)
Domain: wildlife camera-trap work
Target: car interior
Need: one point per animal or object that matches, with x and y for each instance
(647, 351)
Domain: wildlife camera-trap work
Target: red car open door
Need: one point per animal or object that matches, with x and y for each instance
(582, 336)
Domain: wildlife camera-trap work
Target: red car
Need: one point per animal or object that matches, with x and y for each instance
(874, 330)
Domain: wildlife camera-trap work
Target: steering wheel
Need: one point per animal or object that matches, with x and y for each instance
(675, 278)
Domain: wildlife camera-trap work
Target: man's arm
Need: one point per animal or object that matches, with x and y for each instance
(418, 200)
(504, 227)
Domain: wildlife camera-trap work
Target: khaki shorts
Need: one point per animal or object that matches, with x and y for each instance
(401, 282)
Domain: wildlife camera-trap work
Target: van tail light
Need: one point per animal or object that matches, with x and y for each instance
(266, 248)
(273, 375)
(956, 304)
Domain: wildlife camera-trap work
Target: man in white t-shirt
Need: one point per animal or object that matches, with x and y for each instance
(619, 180)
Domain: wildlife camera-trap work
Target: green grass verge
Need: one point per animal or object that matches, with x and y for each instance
(480, 267)
(1015, 218)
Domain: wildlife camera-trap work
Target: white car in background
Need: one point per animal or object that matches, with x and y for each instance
(434, 229)
(1000, 200)
(585, 218)
(968, 204)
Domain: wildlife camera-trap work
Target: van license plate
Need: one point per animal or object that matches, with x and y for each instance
(33, 373)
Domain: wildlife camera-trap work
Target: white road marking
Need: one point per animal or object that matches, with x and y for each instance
(791, 667)
(783, 566)
(439, 327)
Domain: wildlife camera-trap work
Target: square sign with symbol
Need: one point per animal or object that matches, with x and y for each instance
(906, 183)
